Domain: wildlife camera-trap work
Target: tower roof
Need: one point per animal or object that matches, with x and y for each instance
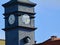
(21, 2)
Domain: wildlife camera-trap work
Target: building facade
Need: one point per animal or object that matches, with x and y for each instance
(52, 41)
(2, 42)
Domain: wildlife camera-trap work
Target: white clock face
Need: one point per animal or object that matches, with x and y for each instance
(26, 19)
(11, 19)
(28, 39)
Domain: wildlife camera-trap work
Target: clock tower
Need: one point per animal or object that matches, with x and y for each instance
(19, 22)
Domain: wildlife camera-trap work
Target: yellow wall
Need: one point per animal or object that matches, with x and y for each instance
(2, 42)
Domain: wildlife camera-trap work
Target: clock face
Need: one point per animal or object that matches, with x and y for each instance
(28, 39)
(11, 19)
(26, 19)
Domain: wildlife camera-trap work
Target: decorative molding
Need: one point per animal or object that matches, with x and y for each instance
(21, 3)
(32, 28)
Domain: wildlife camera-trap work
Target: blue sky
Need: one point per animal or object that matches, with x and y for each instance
(47, 19)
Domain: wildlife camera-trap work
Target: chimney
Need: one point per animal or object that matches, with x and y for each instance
(53, 37)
